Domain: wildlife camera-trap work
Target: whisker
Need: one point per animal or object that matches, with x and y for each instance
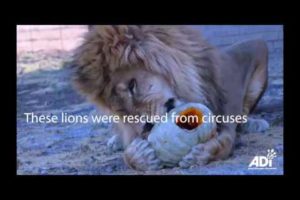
(150, 97)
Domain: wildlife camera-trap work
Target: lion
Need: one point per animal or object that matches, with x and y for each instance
(135, 70)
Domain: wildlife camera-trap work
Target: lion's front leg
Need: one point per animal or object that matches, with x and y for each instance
(214, 149)
(139, 155)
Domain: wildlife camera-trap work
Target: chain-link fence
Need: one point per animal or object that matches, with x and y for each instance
(31, 38)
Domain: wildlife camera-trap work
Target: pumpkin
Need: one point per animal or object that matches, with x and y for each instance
(175, 139)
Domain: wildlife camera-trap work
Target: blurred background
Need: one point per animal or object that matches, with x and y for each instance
(43, 87)
(32, 38)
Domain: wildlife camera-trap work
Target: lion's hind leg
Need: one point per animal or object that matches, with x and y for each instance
(252, 58)
(255, 89)
(258, 81)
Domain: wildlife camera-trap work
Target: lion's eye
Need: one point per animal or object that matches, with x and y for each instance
(132, 86)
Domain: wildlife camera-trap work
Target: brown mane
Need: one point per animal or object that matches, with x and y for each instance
(176, 52)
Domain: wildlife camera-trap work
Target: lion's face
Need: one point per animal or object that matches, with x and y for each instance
(140, 92)
(145, 70)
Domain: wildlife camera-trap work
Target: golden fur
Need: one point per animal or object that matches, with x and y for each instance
(177, 53)
(167, 62)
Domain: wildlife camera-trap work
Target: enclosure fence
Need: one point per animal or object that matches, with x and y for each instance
(31, 38)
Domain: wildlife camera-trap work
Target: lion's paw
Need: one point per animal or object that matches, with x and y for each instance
(139, 155)
(255, 126)
(197, 156)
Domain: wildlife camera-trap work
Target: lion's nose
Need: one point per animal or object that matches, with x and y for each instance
(170, 104)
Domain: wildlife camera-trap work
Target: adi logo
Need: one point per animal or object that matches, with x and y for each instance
(263, 162)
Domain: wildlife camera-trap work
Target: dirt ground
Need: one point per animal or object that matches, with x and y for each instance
(43, 87)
